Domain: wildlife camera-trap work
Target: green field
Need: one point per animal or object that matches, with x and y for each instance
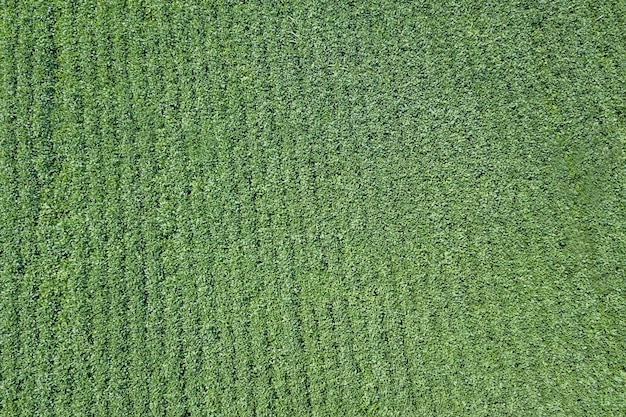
(312, 208)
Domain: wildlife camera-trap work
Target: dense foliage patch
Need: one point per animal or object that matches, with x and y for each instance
(312, 208)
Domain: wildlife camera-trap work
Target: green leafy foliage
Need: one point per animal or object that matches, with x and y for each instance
(312, 208)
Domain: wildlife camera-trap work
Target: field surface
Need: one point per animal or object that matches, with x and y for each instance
(324, 208)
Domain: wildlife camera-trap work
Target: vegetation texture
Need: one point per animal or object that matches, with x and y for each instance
(323, 208)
